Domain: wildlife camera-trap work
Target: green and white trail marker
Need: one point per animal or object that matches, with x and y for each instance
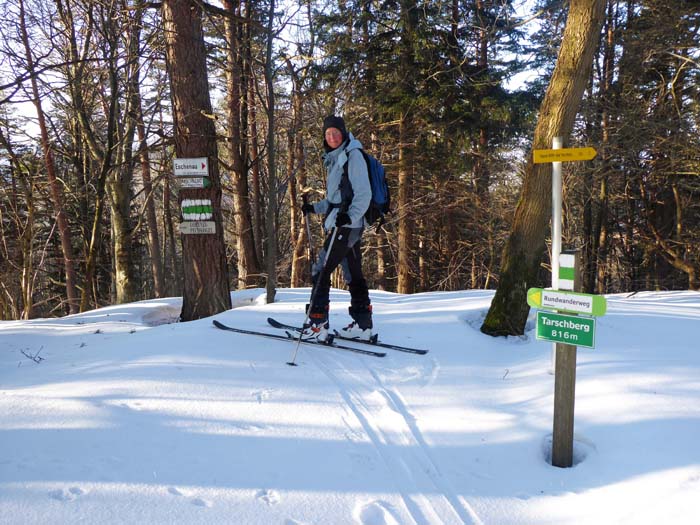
(567, 271)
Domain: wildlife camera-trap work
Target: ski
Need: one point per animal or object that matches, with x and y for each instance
(373, 341)
(291, 337)
(282, 326)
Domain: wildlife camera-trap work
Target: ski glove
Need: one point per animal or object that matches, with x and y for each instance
(342, 219)
(307, 208)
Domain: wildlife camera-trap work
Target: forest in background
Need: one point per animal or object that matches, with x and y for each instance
(89, 206)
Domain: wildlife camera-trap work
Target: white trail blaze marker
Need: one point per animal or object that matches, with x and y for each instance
(567, 271)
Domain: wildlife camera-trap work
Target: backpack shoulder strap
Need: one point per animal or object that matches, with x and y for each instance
(346, 192)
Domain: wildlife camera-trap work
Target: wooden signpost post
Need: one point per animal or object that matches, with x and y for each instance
(567, 330)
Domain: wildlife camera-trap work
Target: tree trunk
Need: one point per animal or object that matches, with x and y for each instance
(297, 230)
(481, 168)
(380, 280)
(170, 243)
(249, 84)
(482, 175)
(248, 264)
(56, 192)
(170, 262)
(206, 290)
(406, 276)
(119, 191)
(271, 244)
(296, 175)
(524, 249)
(95, 149)
(22, 217)
(595, 211)
(257, 194)
(406, 281)
(119, 184)
(151, 220)
(423, 256)
(120, 195)
(598, 256)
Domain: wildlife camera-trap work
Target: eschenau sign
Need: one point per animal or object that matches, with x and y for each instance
(198, 167)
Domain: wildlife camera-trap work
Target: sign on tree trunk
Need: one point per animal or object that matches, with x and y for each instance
(206, 290)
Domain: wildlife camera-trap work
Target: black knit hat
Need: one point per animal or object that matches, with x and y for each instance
(331, 121)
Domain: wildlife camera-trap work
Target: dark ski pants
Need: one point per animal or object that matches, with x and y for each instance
(346, 250)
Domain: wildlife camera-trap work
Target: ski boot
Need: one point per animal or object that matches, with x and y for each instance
(361, 326)
(318, 326)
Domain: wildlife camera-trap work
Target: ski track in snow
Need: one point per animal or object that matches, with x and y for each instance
(392, 429)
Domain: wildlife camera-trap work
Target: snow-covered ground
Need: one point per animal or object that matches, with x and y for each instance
(127, 417)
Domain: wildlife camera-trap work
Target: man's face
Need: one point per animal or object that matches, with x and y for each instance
(334, 137)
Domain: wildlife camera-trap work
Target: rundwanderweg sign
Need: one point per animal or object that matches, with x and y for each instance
(572, 302)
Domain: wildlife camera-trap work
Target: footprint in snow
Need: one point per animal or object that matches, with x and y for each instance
(362, 460)
(691, 481)
(248, 427)
(354, 436)
(66, 495)
(200, 502)
(268, 496)
(376, 513)
(262, 395)
(174, 491)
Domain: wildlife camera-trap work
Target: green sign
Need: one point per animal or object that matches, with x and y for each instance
(569, 329)
(194, 182)
(565, 301)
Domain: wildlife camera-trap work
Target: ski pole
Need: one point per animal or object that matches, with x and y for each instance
(313, 295)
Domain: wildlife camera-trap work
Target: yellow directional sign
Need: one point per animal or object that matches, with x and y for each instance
(540, 156)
